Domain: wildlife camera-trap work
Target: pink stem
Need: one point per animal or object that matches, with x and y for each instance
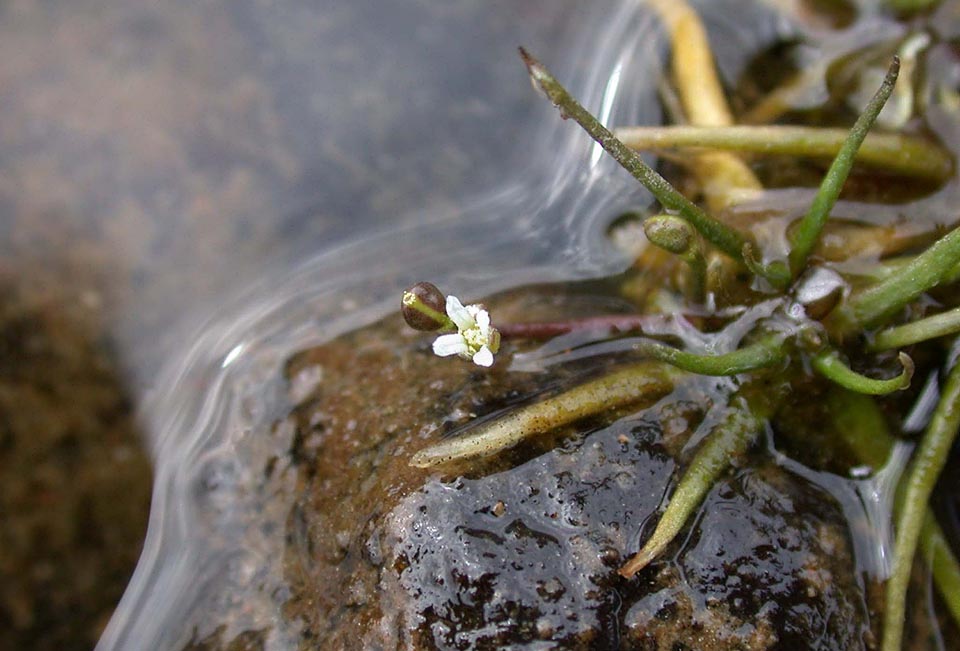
(614, 324)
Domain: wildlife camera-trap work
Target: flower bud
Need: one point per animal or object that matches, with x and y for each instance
(670, 233)
(424, 307)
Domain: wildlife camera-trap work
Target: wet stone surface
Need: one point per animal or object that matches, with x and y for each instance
(767, 565)
(152, 157)
(523, 550)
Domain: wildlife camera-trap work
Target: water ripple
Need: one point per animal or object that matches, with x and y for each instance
(212, 417)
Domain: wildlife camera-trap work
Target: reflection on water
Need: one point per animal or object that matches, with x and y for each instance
(154, 156)
(216, 536)
(213, 408)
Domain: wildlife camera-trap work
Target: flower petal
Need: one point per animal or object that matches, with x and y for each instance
(483, 357)
(459, 314)
(483, 320)
(446, 345)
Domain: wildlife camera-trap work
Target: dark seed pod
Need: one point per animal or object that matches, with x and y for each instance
(424, 307)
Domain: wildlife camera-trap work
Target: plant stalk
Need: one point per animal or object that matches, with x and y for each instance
(927, 464)
(728, 441)
(891, 153)
(931, 327)
(831, 367)
(647, 381)
(925, 271)
(805, 237)
(717, 233)
(725, 178)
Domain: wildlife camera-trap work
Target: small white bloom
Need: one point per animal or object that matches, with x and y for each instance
(475, 338)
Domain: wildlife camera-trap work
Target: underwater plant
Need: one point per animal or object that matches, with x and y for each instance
(761, 302)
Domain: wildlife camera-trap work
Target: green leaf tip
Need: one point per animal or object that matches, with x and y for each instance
(725, 238)
(807, 233)
(830, 366)
(729, 440)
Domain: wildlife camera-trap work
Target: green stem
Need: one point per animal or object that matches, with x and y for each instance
(911, 5)
(765, 352)
(696, 287)
(728, 441)
(860, 424)
(926, 467)
(647, 381)
(717, 233)
(924, 272)
(805, 237)
(891, 153)
(831, 367)
(776, 272)
(943, 564)
(931, 327)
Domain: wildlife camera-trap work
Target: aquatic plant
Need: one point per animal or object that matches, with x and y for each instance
(813, 318)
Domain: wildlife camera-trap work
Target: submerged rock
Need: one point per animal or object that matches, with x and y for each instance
(523, 550)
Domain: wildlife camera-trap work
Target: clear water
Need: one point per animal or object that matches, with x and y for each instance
(541, 216)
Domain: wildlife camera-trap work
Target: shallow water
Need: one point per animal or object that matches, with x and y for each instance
(537, 214)
(213, 406)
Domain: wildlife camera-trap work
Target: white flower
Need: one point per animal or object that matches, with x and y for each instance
(475, 339)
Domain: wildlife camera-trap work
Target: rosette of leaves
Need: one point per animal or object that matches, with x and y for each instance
(812, 319)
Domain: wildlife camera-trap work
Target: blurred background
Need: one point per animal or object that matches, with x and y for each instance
(155, 157)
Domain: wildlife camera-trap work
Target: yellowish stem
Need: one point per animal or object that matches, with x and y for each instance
(700, 90)
(644, 382)
(726, 180)
(892, 153)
